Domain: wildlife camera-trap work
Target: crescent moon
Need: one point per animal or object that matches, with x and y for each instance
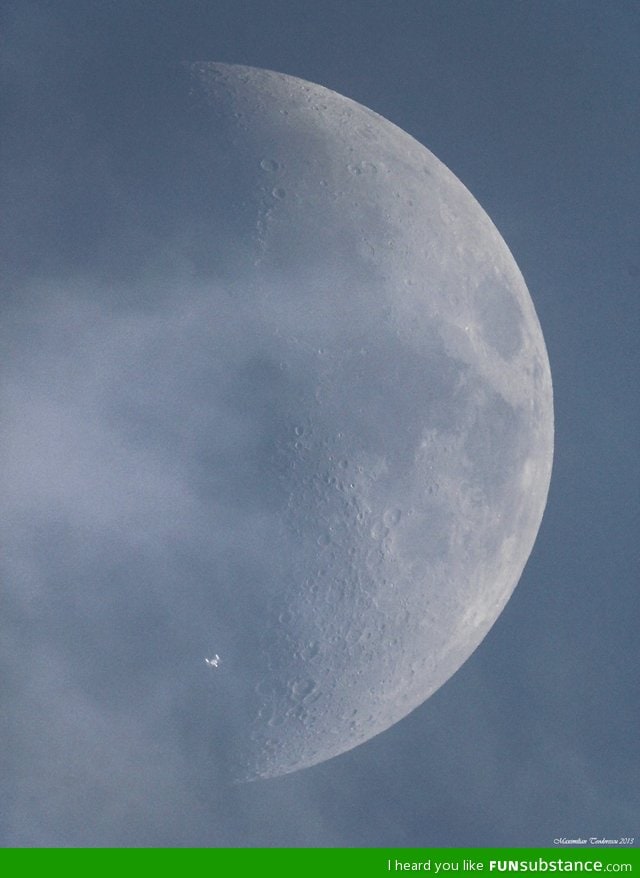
(396, 381)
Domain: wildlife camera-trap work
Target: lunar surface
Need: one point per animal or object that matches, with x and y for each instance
(311, 451)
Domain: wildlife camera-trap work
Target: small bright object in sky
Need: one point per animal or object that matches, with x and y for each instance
(213, 662)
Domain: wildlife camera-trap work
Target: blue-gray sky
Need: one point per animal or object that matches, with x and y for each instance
(534, 106)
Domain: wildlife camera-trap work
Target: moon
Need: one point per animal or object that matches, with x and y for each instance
(308, 440)
(399, 402)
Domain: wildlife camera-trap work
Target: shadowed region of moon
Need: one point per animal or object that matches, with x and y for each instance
(308, 439)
